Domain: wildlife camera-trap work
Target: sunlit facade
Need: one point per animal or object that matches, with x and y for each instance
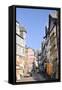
(20, 50)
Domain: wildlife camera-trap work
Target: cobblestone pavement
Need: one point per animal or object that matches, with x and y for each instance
(34, 77)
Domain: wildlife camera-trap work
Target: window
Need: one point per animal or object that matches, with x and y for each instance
(21, 33)
(20, 41)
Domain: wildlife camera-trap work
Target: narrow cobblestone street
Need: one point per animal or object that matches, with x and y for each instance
(35, 77)
(37, 60)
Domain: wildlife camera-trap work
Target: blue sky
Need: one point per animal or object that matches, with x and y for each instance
(34, 20)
